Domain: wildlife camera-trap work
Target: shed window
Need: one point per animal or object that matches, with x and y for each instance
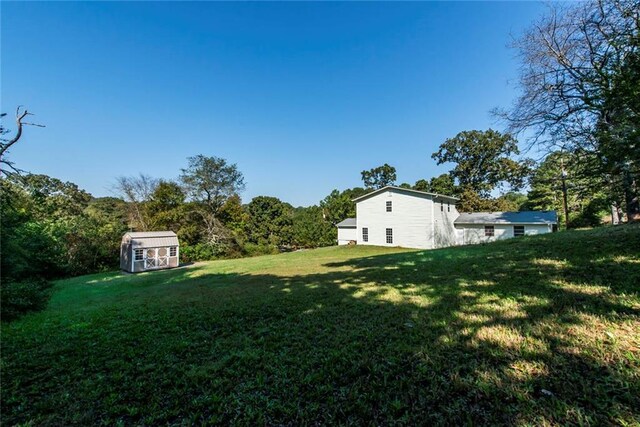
(489, 231)
(139, 253)
(365, 234)
(389, 235)
(173, 251)
(518, 230)
(389, 206)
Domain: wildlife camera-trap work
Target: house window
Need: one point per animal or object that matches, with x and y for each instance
(389, 235)
(518, 230)
(173, 251)
(389, 206)
(441, 206)
(365, 234)
(489, 231)
(448, 207)
(139, 253)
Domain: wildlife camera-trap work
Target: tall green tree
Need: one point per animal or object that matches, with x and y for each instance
(483, 160)
(270, 221)
(586, 200)
(311, 230)
(441, 184)
(340, 205)
(379, 177)
(211, 181)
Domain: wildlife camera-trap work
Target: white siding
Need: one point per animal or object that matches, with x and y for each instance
(346, 235)
(444, 232)
(410, 219)
(474, 233)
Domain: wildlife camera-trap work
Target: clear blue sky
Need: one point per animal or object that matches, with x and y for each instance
(302, 96)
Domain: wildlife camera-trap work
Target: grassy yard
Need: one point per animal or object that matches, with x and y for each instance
(537, 330)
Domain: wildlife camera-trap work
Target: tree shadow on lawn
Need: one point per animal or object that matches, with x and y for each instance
(479, 335)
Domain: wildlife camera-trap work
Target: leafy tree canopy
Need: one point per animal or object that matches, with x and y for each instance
(379, 177)
(483, 160)
(211, 180)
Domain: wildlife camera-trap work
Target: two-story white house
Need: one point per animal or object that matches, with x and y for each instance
(394, 216)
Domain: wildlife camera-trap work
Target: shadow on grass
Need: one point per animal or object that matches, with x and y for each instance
(502, 334)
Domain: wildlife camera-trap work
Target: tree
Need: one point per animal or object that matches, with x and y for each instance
(584, 193)
(339, 205)
(512, 201)
(422, 185)
(443, 184)
(483, 160)
(234, 216)
(311, 230)
(270, 221)
(211, 181)
(379, 177)
(6, 167)
(52, 199)
(166, 207)
(579, 88)
(136, 190)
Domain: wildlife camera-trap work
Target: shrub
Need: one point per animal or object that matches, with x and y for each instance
(19, 298)
(254, 249)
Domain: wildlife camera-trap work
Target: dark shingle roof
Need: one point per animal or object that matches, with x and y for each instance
(524, 217)
(349, 222)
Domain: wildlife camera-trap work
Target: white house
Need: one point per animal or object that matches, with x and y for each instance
(394, 216)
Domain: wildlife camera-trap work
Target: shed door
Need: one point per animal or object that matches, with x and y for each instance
(150, 260)
(163, 257)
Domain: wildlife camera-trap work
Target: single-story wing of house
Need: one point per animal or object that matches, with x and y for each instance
(394, 216)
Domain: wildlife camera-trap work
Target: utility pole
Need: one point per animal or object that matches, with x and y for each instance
(563, 178)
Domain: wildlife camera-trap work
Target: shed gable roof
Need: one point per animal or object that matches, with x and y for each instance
(524, 217)
(151, 239)
(408, 191)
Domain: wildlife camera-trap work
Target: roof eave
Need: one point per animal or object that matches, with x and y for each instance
(391, 187)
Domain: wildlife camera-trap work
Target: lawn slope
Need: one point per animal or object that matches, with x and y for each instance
(527, 331)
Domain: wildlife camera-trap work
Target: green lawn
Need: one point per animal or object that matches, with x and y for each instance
(537, 330)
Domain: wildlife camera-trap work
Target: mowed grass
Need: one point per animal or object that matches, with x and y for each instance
(533, 331)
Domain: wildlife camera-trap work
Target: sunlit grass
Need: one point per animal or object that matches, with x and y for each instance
(533, 331)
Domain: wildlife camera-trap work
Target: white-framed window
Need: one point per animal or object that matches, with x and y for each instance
(518, 230)
(448, 207)
(138, 254)
(441, 206)
(365, 234)
(389, 235)
(173, 251)
(489, 231)
(389, 206)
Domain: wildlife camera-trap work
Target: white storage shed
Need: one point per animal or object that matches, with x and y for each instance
(149, 250)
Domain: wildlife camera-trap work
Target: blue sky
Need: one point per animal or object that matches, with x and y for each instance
(302, 96)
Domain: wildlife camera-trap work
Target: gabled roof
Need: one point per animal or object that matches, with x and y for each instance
(141, 234)
(347, 223)
(403, 190)
(151, 239)
(524, 217)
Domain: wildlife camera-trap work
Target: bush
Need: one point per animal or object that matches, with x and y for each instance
(253, 249)
(19, 298)
(200, 252)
